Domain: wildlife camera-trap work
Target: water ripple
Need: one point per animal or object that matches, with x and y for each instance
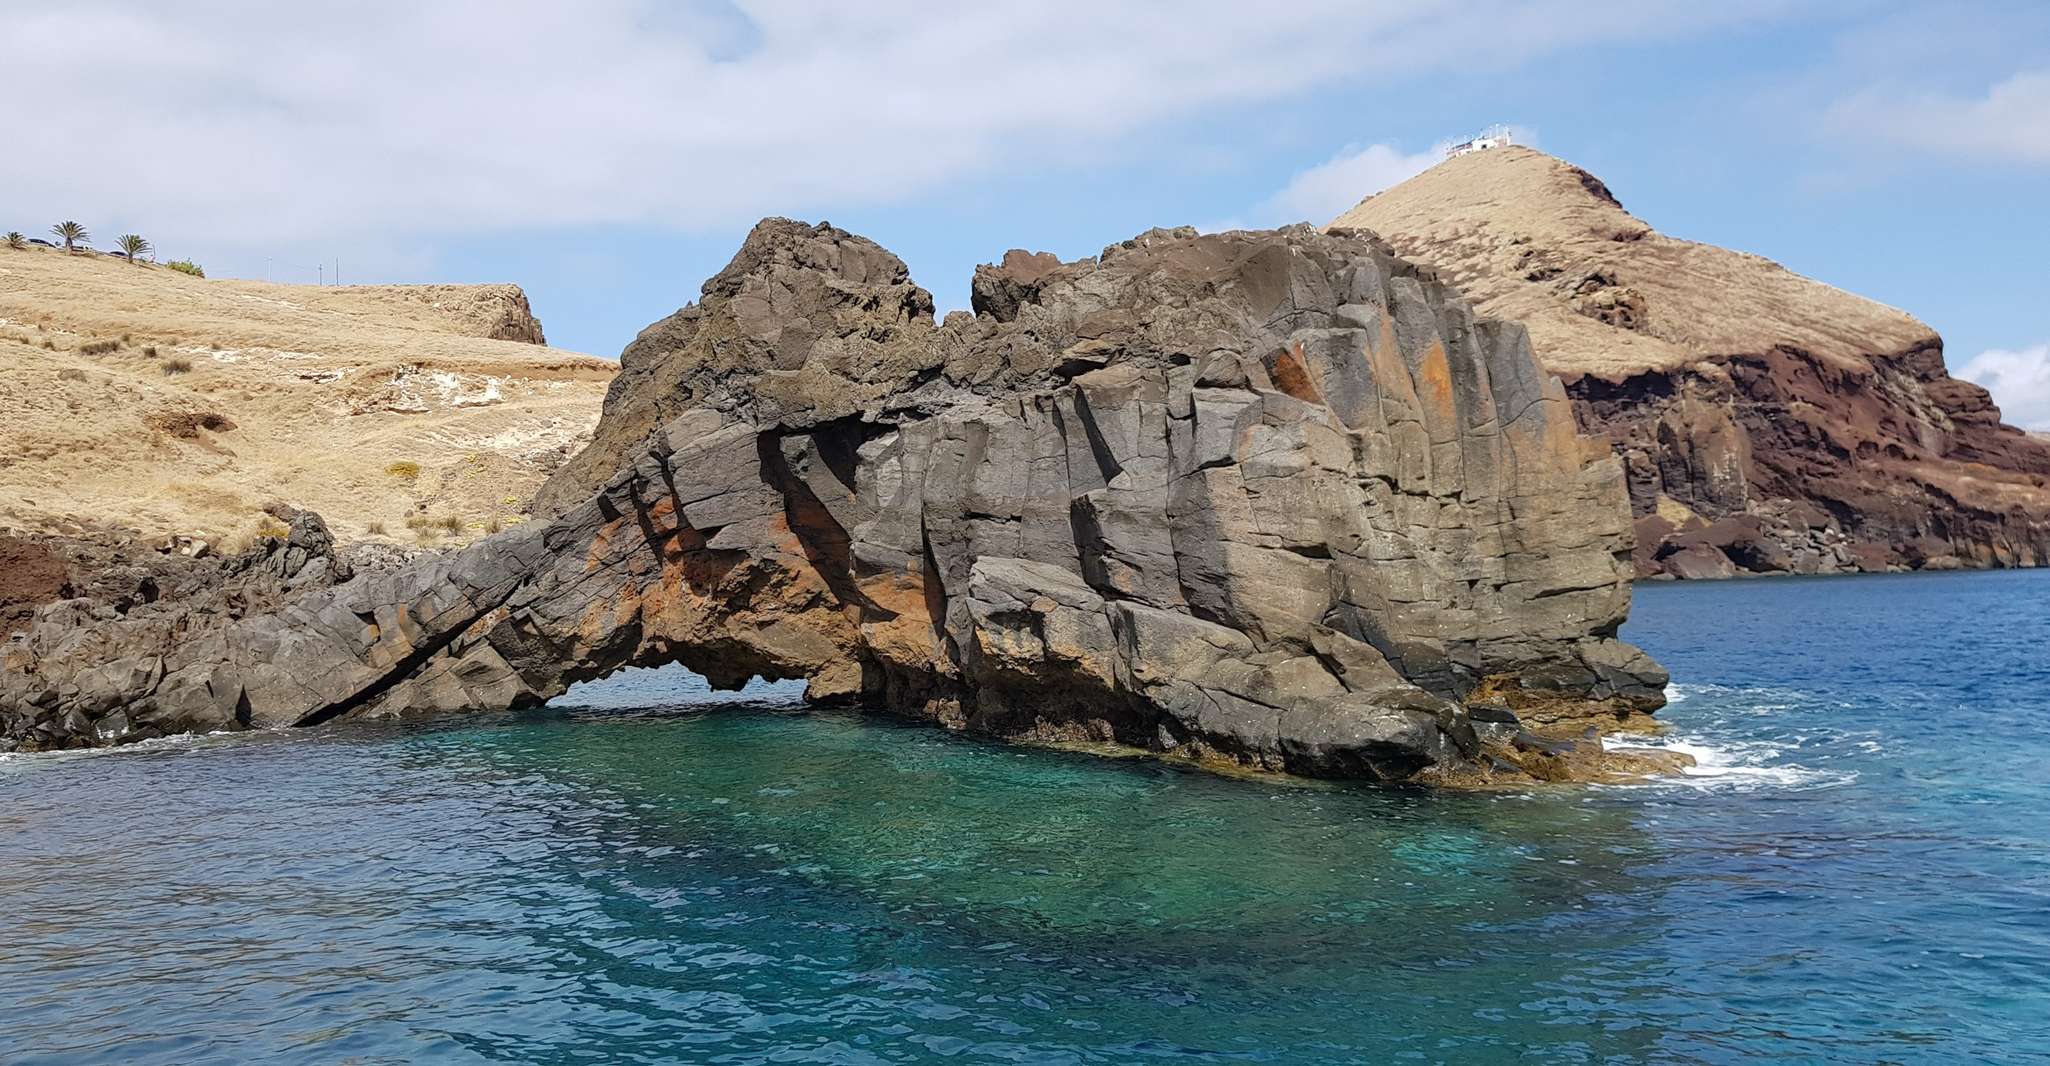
(653, 874)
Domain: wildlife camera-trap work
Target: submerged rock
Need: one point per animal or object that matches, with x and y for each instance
(1277, 499)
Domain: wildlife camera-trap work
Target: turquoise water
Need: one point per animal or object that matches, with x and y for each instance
(1860, 872)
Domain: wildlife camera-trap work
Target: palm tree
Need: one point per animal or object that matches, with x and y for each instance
(72, 234)
(15, 240)
(133, 246)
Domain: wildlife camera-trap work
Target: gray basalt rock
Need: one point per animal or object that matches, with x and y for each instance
(100, 641)
(1275, 499)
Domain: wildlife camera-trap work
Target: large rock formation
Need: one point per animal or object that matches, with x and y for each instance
(1278, 499)
(1768, 423)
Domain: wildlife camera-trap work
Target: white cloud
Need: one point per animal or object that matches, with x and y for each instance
(1331, 188)
(2010, 122)
(394, 121)
(2019, 381)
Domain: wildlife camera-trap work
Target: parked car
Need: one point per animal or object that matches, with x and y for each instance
(39, 240)
(117, 253)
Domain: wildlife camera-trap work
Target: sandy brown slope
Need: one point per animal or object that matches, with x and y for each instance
(1769, 422)
(316, 397)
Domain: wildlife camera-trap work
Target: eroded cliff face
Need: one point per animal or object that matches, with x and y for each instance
(1273, 499)
(1778, 463)
(1768, 423)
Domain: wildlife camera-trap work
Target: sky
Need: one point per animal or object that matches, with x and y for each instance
(608, 155)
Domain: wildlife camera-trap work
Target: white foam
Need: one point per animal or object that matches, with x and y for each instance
(141, 747)
(1739, 765)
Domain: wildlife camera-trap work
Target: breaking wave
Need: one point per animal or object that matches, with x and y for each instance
(1725, 761)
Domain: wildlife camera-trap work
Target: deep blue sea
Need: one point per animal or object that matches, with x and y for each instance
(1859, 871)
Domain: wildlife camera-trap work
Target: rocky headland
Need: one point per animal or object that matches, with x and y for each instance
(1276, 500)
(1768, 423)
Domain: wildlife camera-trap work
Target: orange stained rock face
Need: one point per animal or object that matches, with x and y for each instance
(901, 630)
(1290, 371)
(695, 587)
(782, 539)
(1389, 373)
(1434, 383)
(601, 544)
(491, 620)
(594, 624)
(628, 605)
(399, 631)
(662, 516)
(901, 593)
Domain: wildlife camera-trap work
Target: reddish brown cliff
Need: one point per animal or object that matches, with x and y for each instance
(1768, 422)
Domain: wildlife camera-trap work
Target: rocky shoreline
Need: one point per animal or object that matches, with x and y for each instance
(1275, 500)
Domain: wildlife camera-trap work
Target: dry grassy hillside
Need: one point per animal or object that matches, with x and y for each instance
(1534, 238)
(137, 397)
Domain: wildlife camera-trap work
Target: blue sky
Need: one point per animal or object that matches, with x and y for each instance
(609, 155)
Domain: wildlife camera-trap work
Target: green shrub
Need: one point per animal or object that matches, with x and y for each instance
(186, 266)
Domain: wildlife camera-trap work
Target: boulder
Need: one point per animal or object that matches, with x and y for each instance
(1699, 562)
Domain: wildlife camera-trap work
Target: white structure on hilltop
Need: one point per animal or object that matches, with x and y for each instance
(1493, 137)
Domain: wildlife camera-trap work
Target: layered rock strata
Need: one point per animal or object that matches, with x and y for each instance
(1274, 499)
(1768, 423)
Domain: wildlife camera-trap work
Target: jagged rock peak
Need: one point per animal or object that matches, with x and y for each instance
(806, 322)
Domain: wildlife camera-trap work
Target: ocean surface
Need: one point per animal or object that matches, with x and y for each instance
(1859, 871)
